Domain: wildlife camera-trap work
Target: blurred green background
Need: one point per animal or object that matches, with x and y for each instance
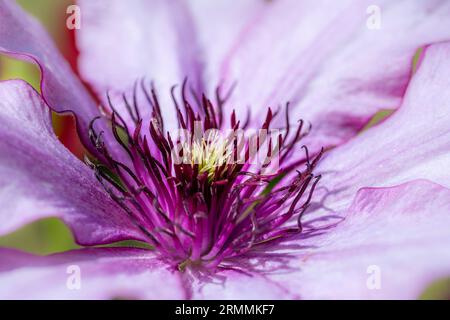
(51, 235)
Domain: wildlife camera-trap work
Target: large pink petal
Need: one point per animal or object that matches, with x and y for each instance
(320, 56)
(104, 273)
(399, 233)
(23, 37)
(221, 28)
(413, 144)
(39, 177)
(123, 42)
(109, 273)
(121, 273)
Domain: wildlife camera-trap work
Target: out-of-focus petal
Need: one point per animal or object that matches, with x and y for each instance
(392, 244)
(322, 57)
(413, 144)
(40, 178)
(221, 28)
(103, 273)
(231, 285)
(22, 37)
(123, 42)
(111, 273)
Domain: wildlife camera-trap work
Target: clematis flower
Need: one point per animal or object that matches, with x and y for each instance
(338, 202)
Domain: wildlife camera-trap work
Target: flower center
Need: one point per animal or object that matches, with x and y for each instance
(208, 193)
(209, 153)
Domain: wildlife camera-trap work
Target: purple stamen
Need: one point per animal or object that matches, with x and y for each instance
(203, 213)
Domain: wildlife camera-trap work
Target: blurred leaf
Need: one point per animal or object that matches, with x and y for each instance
(41, 237)
(416, 59)
(438, 290)
(377, 118)
(129, 244)
(15, 69)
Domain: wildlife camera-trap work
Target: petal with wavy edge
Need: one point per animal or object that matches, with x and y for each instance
(40, 178)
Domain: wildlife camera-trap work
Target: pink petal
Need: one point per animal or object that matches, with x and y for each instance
(231, 285)
(108, 273)
(40, 178)
(23, 37)
(105, 273)
(320, 56)
(400, 233)
(412, 144)
(122, 42)
(221, 28)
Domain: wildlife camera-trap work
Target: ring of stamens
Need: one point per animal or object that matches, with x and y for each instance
(205, 210)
